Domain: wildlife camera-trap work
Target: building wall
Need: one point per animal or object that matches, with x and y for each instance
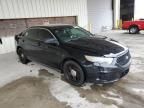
(139, 9)
(100, 15)
(15, 9)
(8, 45)
(44, 8)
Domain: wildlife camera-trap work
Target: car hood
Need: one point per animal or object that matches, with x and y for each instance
(99, 46)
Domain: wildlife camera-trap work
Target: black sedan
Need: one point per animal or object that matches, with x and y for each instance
(80, 55)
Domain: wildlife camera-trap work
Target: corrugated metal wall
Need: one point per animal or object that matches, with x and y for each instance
(44, 8)
(100, 15)
(15, 9)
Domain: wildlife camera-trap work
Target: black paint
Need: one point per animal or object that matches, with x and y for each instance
(54, 52)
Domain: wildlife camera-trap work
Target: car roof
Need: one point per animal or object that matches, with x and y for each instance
(53, 26)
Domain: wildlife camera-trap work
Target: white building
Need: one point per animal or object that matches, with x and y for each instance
(139, 9)
(17, 15)
(100, 15)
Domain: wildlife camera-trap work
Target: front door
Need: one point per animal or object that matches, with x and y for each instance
(51, 53)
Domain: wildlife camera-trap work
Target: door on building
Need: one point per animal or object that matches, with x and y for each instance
(100, 15)
(10, 27)
(127, 10)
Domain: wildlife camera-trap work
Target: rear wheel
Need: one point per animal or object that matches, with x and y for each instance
(22, 56)
(133, 30)
(73, 73)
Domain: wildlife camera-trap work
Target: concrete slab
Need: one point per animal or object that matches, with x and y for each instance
(37, 86)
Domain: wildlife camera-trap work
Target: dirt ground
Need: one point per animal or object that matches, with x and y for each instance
(37, 86)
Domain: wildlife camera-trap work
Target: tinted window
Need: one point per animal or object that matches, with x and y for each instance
(69, 33)
(32, 34)
(45, 35)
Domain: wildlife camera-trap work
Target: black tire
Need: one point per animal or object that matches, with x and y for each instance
(22, 57)
(73, 73)
(133, 30)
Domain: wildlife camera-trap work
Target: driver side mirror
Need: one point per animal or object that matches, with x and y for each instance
(53, 42)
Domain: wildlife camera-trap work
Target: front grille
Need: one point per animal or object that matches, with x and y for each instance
(124, 59)
(110, 76)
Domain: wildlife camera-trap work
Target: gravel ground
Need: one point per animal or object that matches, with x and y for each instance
(37, 86)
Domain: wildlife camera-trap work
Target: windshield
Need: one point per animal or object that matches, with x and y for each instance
(69, 33)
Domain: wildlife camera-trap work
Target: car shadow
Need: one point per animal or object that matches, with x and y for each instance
(141, 34)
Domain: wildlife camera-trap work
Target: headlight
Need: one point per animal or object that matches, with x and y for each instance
(101, 60)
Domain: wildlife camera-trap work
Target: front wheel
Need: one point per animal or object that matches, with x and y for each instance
(73, 73)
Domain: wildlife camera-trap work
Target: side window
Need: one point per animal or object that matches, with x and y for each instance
(45, 35)
(32, 34)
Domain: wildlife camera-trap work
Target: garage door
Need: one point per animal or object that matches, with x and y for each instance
(100, 15)
(11, 27)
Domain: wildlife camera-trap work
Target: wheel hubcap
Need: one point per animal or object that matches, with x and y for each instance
(133, 30)
(73, 72)
(22, 55)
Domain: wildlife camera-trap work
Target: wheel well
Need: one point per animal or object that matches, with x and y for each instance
(134, 26)
(70, 59)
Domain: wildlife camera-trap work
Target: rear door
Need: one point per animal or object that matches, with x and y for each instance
(31, 44)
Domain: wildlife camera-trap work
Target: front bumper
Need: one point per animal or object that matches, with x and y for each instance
(102, 74)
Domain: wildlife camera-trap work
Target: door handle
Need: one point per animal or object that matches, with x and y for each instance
(39, 44)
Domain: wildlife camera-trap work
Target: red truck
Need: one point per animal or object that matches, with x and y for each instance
(133, 26)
